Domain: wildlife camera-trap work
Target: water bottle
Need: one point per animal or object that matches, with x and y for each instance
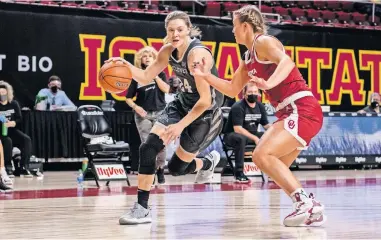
(4, 130)
(80, 179)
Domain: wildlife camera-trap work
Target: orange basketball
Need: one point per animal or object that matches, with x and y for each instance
(115, 77)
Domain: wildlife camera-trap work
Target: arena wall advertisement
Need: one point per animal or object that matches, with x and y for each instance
(342, 68)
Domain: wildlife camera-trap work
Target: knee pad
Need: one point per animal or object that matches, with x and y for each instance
(178, 167)
(148, 152)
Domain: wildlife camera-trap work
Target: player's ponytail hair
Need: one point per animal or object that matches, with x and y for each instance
(194, 31)
(139, 55)
(251, 15)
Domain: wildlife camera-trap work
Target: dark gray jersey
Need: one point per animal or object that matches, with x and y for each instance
(188, 95)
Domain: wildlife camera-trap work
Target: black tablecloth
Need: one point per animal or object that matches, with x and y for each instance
(56, 134)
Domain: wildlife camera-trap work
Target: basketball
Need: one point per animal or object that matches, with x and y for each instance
(115, 77)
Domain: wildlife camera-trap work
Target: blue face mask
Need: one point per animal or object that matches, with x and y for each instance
(3, 98)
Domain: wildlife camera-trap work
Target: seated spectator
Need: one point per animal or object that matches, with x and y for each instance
(5, 182)
(241, 127)
(53, 98)
(374, 107)
(13, 136)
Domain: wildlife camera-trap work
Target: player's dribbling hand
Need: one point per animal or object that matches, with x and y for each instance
(117, 59)
(172, 132)
(260, 83)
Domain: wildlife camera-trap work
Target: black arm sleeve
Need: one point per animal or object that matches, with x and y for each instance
(131, 92)
(163, 76)
(238, 115)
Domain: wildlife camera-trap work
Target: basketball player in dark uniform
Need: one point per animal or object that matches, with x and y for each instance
(194, 115)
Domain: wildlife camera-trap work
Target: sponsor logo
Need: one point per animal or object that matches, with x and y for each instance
(341, 159)
(99, 113)
(321, 160)
(301, 160)
(110, 171)
(250, 169)
(378, 159)
(360, 159)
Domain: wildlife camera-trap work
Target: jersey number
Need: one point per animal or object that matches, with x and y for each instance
(185, 87)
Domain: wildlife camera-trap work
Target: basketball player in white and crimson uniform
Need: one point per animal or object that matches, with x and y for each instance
(299, 114)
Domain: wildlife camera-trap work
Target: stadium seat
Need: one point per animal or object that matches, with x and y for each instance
(328, 16)
(304, 4)
(313, 15)
(266, 9)
(320, 5)
(334, 5)
(230, 6)
(358, 18)
(213, 9)
(343, 17)
(288, 4)
(347, 6)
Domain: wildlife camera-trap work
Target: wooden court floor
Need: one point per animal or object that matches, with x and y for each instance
(53, 208)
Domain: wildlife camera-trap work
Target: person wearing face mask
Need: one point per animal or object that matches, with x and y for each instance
(10, 109)
(53, 98)
(374, 107)
(149, 103)
(241, 127)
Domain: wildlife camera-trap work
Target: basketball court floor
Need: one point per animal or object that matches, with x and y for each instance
(53, 208)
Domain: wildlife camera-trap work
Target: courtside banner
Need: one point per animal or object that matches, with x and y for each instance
(341, 66)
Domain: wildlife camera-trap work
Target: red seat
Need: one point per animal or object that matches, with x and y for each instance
(281, 11)
(213, 9)
(328, 15)
(320, 5)
(312, 13)
(49, 2)
(376, 20)
(230, 6)
(69, 4)
(343, 16)
(304, 4)
(288, 4)
(297, 12)
(333, 5)
(266, 9)
(358, 18)
(92, 6)
(347, 6)
(114, 8)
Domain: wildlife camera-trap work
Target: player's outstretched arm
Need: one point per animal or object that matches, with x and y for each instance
(272, 50)
(229, 88)
(144, 77)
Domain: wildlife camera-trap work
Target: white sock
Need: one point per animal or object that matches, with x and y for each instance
(299, 195)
